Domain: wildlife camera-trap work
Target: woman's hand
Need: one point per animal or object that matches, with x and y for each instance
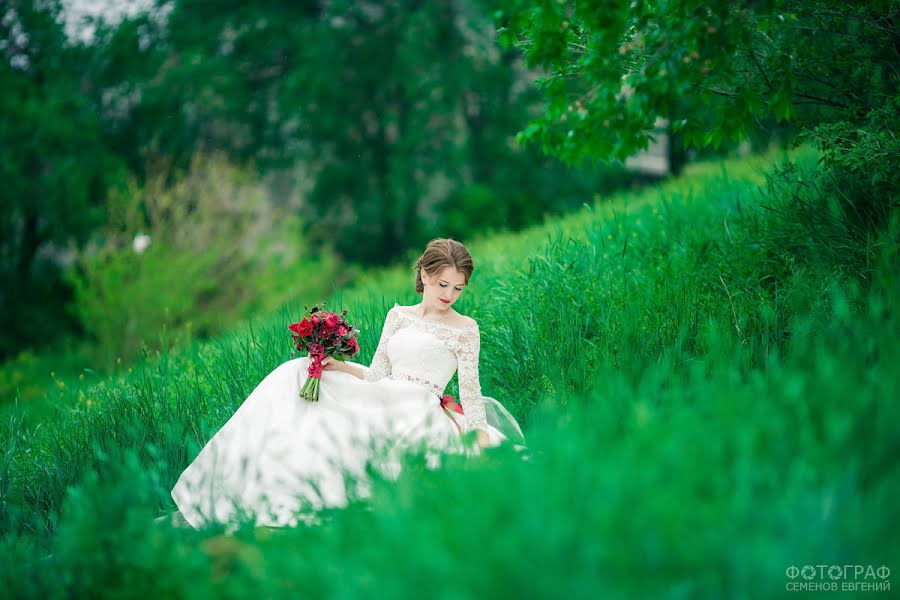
(483, 439)
(330, 363)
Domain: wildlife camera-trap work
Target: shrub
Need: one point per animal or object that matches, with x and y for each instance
(217, 249)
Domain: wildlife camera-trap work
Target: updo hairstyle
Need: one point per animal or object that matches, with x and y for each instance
(441, 253)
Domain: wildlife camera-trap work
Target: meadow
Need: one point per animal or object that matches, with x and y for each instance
(706, 378)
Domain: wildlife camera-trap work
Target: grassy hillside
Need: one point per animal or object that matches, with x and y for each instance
(706, 405)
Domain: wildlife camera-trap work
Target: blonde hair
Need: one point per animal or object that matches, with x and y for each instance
(441, 253)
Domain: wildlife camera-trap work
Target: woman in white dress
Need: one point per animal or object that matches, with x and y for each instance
(280, 458)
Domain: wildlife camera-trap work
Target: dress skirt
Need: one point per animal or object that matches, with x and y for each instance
(280, 458)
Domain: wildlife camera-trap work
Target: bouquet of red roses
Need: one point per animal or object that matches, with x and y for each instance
(322, 334)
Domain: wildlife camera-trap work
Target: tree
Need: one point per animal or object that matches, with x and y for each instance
(403, 111)
(202, 77)
(51, 195)
(378, 98)
(715, 68)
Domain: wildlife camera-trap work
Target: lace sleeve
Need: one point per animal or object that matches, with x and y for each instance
(469, 384)
(381, 364)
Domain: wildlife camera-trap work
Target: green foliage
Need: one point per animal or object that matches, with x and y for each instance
(861, 170)
(519, 197)
(51, 197)
(392, 113)
(703, 409)
(217, 252)
(715, 71)
(395, 109)
(474, 200)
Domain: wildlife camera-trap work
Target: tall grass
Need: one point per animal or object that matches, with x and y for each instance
(705, 408)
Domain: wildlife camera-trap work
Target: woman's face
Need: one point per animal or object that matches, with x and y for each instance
(442, 290)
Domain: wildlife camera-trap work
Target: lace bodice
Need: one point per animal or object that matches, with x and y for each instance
(428, 353)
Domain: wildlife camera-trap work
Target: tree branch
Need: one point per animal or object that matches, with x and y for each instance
(850, 15)
(822, 101)
(761, 71)
(804, 75)
(719, 92)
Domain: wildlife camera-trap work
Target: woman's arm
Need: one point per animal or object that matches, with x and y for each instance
(381, 364)
(470, 384)
(330, 364)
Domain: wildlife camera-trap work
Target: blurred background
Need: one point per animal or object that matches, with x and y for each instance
(184, 164)
(176, 166)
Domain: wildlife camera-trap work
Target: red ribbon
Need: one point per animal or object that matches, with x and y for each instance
(450, 403)
(315, 365)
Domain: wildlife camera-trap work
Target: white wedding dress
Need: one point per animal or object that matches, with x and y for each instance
(280, 458)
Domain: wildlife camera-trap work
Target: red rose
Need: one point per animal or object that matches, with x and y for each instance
(303, 329)
(342, 330)
(331, 321)
(353, 345)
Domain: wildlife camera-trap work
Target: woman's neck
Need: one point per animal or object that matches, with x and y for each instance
(434, 314)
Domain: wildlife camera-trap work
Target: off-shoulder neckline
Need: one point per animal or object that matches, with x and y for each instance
(409, 315)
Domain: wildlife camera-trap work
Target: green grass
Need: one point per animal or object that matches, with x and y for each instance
(703, 410)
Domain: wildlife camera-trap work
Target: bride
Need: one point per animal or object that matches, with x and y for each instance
(280, 458)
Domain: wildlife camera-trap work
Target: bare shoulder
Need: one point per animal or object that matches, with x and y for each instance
(464, 322)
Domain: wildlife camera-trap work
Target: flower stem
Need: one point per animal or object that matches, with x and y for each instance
(310, 390)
